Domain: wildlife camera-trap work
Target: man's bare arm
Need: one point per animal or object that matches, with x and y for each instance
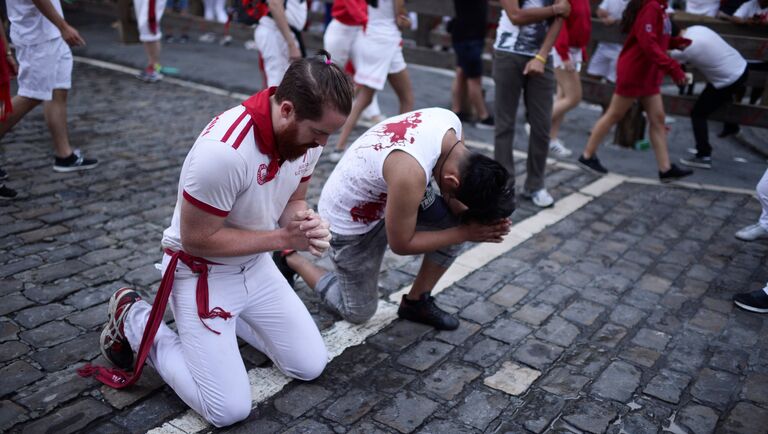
(521, 17)
(277, 10)
(70, 35)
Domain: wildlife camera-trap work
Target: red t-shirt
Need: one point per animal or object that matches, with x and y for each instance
(350, 12)
(576, 29)
(643, 60)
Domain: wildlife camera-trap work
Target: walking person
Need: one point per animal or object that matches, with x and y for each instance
(640, 70)
(525, 37)
(568, 55)
(603, 61)
(148, 16)
(278, 37)
(241, 195)
(756, 301)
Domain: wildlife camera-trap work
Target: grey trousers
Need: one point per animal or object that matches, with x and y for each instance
(538, 91)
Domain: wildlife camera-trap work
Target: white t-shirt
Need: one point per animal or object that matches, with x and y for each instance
(225, 174)
(615, 9)
(354, 197)
(28, 25)
(525, 40)
(381, 20)
(702, 7)
(750, 9)
(720, 63)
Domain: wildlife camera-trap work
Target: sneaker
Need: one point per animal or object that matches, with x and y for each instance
(150, 75)
(464, 116)
(114, 344)
(486, 124)
(282, 265)
(674, 173)
(752, 233)
(755, 301)
(169, 39)
(207, 37)
(7, 193)
(425, 311)
(74, 163)
(335, 156)
(3, 175)
(696, 161)
(592, 164)
(225, 41)
(540, 198)
(558, 149)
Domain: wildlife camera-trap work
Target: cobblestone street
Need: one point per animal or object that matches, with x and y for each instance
(610, 313)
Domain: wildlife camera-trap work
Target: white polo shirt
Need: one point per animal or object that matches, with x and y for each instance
(233, 171)
(707, 8)
(354, 196)
(750, 9)
(28, 25)
(720, 63)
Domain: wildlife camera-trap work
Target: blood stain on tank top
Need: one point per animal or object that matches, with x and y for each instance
(369, 212)
(396, 132)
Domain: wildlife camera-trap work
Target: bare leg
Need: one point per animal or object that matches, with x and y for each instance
(308, 271)
(458, 89)
(55, 112)
(153, 53)
(429, 273)
(21, 106)
(654, 109)
(569, 95)
(616, 111)
(475, 94)
(401, 84)
(362, 99)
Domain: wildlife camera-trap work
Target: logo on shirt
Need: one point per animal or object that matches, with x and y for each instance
(210, 126)
(395, 132)
(648, 28)
(302, 168)
(261, 174)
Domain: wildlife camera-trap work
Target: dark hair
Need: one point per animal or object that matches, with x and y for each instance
(312, 84)
(485, 189)
(630, 13)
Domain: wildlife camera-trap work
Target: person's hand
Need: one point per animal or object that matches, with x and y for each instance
(680, 78)
(534, 67)
(317, 231)
(562, 8)
(71, 36)
(295, 232)
(403, 21)
(294, 53)
(487, 233)
(14, 67)
(569, 65)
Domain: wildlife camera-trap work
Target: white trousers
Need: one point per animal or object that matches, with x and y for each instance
(762, 196)
(273, 50)
(141, 8)
(215, 10)
(204, 368)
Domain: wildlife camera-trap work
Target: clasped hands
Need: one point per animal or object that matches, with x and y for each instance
(308, 232)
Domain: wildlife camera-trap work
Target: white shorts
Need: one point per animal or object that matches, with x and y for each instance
(141, 7)
(339, 39)
(575, 55)
(603, 63)
(273, 50)
(44, 67)
(375, 57)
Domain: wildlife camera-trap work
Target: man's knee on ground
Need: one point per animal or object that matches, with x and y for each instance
(228, 412)
(309, 368)
(361, 314)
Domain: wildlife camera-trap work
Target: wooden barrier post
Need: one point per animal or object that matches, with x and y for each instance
(128, 29)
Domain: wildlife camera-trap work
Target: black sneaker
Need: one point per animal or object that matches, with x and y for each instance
(282, 265)
(696, 161)
(592, 164)
(74, 163)
(674, 173)
(486, 124)
(7, 193)
(464, 116)
(3, 175)
(425, 311)
(755, 301)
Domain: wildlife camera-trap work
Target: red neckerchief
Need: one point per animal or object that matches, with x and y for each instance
(5, 84)
(259, 108)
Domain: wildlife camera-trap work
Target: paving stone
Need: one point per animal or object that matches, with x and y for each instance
(642, 299)
(746, 418)
(34, 316)
(300, 399)
(729, 359)
(13, 303)
(309, 427)
(457, 297)
(715, 387)
(101, 256)
(400, 335)
(486, 352)
(562, 383)
(708, 321)
(10, 415)
(366, 427)
(722, 306)
(92, 317)
(57, 271)
(9, 269)
(70, 418)
(50, 334)
(555, 294)
(512, 378)
(481, 312)
(406, 411)
(425, 354)
(537, 353)
(480, 281)
(508, 296)
(45, 233)
(508, 331)
(8, 330)
(388, 380)
(352, 406)
(598, 295)
(534, 313)
(609, 335)
(12, 350)
(652, 339)
(539, 410)
(667, 386)
(652, 283)
(590, 416)
(46, 293)
(150, 413)
(480, 407)
(688, 354)
(16, 375)
(619, 381)
(449, 380)
(697, 418)
(558, 331)
(461, 334)
(583, 312)
(144, 276)
(353, 363)
(756, 388)
(9, 286)
(440, 426)
(53, 390)
(60, 356)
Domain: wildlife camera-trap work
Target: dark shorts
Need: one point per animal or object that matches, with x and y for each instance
(469, 57)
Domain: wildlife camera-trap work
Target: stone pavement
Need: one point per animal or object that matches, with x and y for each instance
(615, 319)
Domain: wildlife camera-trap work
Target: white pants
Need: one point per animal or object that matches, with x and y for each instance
(204, 368)
(375, 57)
(44, 67)
(141, 7)
(273, 50)
(575, 55)
(603, 63)
(762, 196)
(215, 10)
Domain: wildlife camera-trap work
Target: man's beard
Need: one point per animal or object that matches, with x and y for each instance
(288, 145)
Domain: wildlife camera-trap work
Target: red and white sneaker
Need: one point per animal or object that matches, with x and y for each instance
(114, 344)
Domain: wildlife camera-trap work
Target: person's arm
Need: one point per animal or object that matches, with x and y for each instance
(648, 23)
(277, 10)
(521, 17)
(605, 17)
(68, 33)
(8, 53)
(401, 15)
(537, 64)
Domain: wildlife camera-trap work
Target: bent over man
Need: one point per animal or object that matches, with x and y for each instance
(241, 195)
(380, 193)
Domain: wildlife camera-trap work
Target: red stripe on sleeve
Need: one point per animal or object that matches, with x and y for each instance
(306, 178)
(234, 125)
(243, 133)
(204, 206)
